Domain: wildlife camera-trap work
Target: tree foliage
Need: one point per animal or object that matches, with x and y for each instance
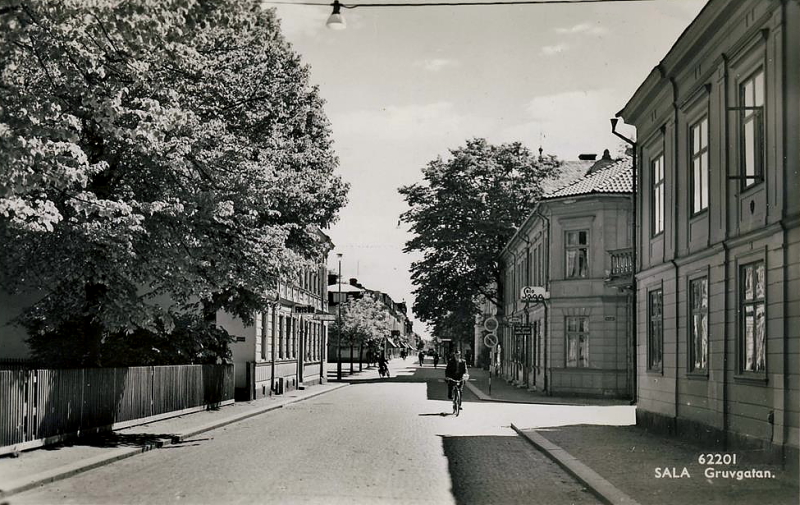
(155, 150)
(462, 215)
(363, 320)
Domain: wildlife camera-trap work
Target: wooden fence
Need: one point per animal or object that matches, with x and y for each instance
(39, 407)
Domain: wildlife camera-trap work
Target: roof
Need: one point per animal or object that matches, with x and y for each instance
(346, 288)
(570, 172)
(615, 178)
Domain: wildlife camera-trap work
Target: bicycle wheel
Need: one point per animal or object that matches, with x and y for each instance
(456, 401)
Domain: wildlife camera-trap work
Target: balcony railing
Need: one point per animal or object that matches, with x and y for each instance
(621, 267)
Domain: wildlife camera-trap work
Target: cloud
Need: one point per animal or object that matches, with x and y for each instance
(583, 28)
(436, 64)
(435, 120)
(571, 122)
(556, 49)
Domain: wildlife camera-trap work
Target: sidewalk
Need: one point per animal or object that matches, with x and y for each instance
(502, 391)
(48, 464)
(627, 465)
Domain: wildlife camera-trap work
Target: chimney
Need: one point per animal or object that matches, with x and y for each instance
(601, 163)
(588, 157)
(353, 281)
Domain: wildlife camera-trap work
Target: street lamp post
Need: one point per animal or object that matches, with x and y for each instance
(339, 324)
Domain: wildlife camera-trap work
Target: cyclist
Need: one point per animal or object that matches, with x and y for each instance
(383, 366)
(456, 370)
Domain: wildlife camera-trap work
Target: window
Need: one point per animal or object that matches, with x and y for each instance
(698, 135)
(577, 248)
(264, 334)
(698, 329)
(752, 340)
(657, 199)
(280, 337)
(655, 329)
(751, 101)
(293, 335)
(577, 341)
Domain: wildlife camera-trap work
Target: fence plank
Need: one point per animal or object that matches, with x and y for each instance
(39, 404)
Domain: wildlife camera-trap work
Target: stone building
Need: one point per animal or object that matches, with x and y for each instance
(718, 277)
(578, 339)
(285, 348)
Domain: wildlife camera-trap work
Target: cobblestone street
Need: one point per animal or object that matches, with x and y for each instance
(376, 441)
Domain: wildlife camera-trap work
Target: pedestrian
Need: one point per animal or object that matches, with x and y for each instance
(421, 357)
(435, 359)
(456, 370)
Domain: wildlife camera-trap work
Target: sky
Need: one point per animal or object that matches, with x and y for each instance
(403, 85)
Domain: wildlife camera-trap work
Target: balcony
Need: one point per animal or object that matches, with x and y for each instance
(621, 273)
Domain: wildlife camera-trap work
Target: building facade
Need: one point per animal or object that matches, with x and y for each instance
(578, 340)
(285, 348)
(718, 276)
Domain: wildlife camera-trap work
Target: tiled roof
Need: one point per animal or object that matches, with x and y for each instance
(616, 178)
(571, 171)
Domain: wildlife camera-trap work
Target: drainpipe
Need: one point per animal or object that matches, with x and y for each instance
(675, 112)
(525, 362)
(634, 256)
(512, 336)
(726, 167)
(545, 335)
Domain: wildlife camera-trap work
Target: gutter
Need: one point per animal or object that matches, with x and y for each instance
(545, 331)
(634, 255)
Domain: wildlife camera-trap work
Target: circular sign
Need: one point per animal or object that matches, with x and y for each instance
(490, 340)
(491, 324)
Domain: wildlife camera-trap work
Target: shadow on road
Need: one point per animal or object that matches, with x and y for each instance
(116, 439)
(500, 469)
(432, 377)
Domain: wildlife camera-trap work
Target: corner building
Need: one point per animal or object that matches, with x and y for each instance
(575, 246)
(718, 240)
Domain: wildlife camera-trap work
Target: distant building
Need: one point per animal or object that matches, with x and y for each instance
(400, 337)
(579, 341)
(718, 279)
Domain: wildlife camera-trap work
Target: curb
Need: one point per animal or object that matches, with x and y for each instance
(240, 417)
(601, 488)
(486, 398)
(71, 469)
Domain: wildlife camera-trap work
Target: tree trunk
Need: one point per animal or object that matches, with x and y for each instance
(360, 354)
(351, 359)
(92, 330)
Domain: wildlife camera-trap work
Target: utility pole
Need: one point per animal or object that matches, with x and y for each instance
(339, 324)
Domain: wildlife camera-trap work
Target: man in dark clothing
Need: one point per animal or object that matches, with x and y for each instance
(456, 369)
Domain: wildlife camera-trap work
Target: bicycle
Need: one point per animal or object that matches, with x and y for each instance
(457, 385)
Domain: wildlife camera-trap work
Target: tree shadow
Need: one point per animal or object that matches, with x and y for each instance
(502, 469)
(433, 378)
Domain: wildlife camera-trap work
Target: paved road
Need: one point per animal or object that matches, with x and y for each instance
(387, 441)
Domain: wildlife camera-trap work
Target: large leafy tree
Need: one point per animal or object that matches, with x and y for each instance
(154, 150)
(462, 215)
